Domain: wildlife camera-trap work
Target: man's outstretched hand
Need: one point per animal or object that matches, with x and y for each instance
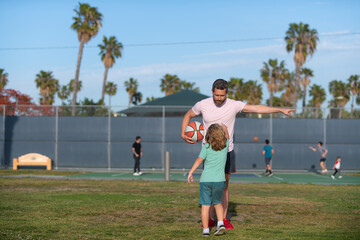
(287, 111)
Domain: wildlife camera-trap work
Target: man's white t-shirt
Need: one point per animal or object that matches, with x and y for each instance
(224, 114)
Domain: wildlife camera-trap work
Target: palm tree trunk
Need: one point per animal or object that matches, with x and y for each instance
(352, 106)
(271, 99)
(304, 102)
(296, 89)
(130, 97)
(76, 80)
(104, 84)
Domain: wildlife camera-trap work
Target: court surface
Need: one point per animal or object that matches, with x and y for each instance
(311, 177)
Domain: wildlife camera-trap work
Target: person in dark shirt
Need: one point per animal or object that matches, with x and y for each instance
(268, 151)
(137, 151)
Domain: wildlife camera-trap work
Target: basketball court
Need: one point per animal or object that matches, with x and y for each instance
(245, 177)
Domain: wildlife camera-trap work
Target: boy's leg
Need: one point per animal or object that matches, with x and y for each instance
(225, 197)
(205, 215)
(219, 212)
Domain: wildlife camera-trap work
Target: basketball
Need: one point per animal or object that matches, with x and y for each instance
(195, 131)
(256, 138)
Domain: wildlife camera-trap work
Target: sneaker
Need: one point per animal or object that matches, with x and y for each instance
(332, 176)
(325, 171)
(136, 174)
(211, 223)
(207, 234)
(340, 177)
(270, 174)
(220, 230)
(228, 224)
(140, 173)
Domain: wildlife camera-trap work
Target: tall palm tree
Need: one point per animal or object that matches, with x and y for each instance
(87, 23)
(253, 92)
(110, 89)
(236, 89)
(71, 85)
(184, 85)
(341, 94)
(3, 78)
(170, 84)
(354, 85)
(131, 88)
(63, 93)
(306, 73)
(137, 98)
(303, 40)
(287, 97)
(48, 87)
(109, 51)
(318, 95)
(274, 75)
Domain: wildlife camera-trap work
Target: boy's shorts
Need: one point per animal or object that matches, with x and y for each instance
(267, 161)
(211, 193)
(322, 159)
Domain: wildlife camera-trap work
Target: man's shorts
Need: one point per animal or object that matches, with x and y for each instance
(230, 162)
(322, 159)
(267, 161)
(211, 193)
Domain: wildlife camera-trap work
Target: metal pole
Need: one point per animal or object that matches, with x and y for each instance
(167, 166)
(163, 137)
(4, 118)
(271, 128)
(324, 130)
(56, 136)
(109, 139)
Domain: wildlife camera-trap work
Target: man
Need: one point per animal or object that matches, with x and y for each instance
(221, 110)
(137, 151)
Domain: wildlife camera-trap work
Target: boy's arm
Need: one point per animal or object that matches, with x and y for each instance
(133, 150)
(140, 152)
(263, 152)
(197, 163)
(272, 151)
(326, 151)
(314, 149)
(226, 131)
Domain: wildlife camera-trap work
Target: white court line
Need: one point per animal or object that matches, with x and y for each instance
(119, 174)
(278, 178)
(321, 176)
(258, 175)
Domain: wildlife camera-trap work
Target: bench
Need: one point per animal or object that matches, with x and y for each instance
(32, 159)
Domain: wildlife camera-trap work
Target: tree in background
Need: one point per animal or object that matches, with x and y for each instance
(109, 51)
(287, 97)
(87, 23)
(303, 40)
(184, 85)
(136, 98)
(273, 75)
(48, 85)
(17, 103)
(253, 92)
(63, 93)
(235, 88)
(341, 94)
(354, 85)
(78, 85)
(318, 95)
(3, 78)
(131, 87)
(306, 73)
(110, 89)
(149, 99)
(170, 84)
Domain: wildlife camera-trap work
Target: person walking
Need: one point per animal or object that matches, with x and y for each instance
(137, 153)
(268, 151)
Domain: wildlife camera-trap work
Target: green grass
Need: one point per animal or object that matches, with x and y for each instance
(33, 208)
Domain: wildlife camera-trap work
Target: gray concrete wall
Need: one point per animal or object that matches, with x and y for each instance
(83, 142)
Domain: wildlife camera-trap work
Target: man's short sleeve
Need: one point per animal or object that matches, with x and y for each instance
(240, 106)
(197, 108)
(203, 151)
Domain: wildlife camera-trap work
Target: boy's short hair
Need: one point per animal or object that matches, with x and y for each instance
(338, 157)
(267, 141)
(220, 84)
(320, 142)
(138, 137)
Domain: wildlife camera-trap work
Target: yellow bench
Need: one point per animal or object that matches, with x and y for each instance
(32, 159)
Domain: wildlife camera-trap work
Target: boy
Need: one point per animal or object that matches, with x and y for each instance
(268, 151)
(337, 168)
(212, 180)
(137, 152)
(323, 151)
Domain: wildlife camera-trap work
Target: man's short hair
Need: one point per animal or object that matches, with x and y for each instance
(267, 141)
(220, 84)
(320, 142)
(138, 137)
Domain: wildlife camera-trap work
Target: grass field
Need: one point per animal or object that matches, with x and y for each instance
(36, 208)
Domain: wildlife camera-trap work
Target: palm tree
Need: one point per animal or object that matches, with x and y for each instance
(137, 98)
(110, 89)
(110, 50)
(170, 84)
(78, 85)
(287, 98)
(184, 85)
(253, 92)
(303, 40)
(236, 89)
(274, 75)
(318, 95)
(341, 94)
(149, 99)
(63, 93)
(87, 23)
(354, 85)
(306, 73)
(3, 78)
(48, 87)
(131, 88)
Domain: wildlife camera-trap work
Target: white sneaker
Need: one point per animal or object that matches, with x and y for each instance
(340, 177)
(332, 176)
(136, 174)
(140, 173)
(325, 170)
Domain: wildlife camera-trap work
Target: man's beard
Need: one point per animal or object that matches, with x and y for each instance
(219, 102)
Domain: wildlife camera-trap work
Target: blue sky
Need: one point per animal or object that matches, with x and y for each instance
(27, 25)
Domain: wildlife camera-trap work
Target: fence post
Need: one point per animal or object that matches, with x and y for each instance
(109, 138)
(167, 166)
(163, 136)
(56, 136)
(4, 127)
(324, 129)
